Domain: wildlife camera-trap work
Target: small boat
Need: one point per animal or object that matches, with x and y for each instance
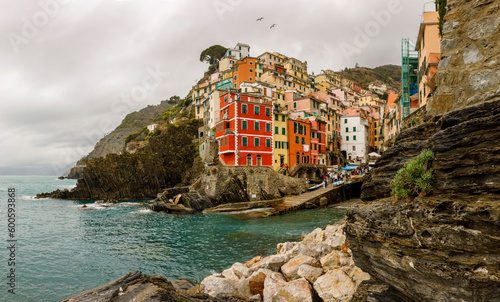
(315, 181)
(315, 187)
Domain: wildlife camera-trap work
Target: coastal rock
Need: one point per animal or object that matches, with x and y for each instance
(216, 286)
(138, 287)
(335, 259)
(273, 262)
(291, 268)
(335, 286)
(288, 275)
(310, 273)
(276, 289)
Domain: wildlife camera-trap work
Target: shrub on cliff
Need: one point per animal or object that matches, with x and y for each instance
(415, 177)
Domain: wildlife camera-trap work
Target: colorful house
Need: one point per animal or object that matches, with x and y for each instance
(281, 144)
(245, 70)
(244, 131)
(299, 138)
(428, 47)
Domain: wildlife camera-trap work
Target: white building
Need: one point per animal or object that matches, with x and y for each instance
(152, 127)
(239, 52)
(355, 138)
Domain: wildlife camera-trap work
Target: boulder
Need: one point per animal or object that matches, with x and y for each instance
(276, 289)
(335, 259)
(273, 262)
(310, 273)
(256, 283)
(335, 286)
(216, 286)
(290, 268)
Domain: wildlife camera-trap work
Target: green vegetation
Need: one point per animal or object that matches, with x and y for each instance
(441, 9)
(137, 135)
(415, 178)
(389, 74)
(213, 54)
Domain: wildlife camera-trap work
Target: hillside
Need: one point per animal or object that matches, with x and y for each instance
(115, 140)
(388, 74)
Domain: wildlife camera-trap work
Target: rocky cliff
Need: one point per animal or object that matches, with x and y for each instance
(220, 185)
(163, 163)
(114, 142)
(444, 246)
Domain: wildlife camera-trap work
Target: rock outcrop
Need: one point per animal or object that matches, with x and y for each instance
(138, 287)
(223, 185)
(444, 246)
(161, 164)
(318, 268)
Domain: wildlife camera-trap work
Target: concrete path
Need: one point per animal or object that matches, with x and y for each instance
(295, 202)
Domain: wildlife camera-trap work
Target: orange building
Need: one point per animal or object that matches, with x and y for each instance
(428, 47)
(245, 70)
(299, 138)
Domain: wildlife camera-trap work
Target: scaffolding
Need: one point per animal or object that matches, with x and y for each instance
(409, 65)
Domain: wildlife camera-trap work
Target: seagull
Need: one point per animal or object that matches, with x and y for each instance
(260, 18)
(272, 26)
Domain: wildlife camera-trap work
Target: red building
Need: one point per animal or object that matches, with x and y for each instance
(318, 141)
(244, 131)
(299, 139)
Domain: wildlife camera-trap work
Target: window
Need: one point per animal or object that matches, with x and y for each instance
(268, 127)
(244, 141)
(275, 144)
(303, 141)
(250, 80)
(268, 142)
(294, 105)
(257, 142)
(282, 118)
(276, 118)
(256, 126)
(235, 77)
(276, 130)
(354, 129)
(244, 108)
(353, 148)
(315, 146)
(345, 121)
(251, 70)
(268, 111)
(256, 110)
(346, 129)
(296, 139)
(225, 140)
(244, 125)
(347, 137)
(354, 137)
(294, 127)
(283, 131)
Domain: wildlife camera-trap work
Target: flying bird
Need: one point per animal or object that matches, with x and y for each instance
(272, 26)
(260, 18)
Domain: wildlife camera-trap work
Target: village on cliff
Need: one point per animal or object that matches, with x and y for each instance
(268, 111)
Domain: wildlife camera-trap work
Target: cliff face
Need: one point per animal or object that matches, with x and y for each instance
(115, 140)
(221, 185)
(445, 246)
(161, 164)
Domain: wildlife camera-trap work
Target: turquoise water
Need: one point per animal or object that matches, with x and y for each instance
(63, 249)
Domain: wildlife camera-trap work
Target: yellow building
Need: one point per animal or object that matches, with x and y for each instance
(370, 100)
(280, 138)
(328, 79)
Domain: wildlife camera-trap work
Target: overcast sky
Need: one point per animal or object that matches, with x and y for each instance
(71, 70)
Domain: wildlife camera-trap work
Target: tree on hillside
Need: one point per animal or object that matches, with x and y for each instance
(174, 99)
(213, 54)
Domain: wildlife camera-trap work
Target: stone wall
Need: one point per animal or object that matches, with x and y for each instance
(469, 71)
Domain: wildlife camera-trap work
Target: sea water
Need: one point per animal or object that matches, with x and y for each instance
(63, 249)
